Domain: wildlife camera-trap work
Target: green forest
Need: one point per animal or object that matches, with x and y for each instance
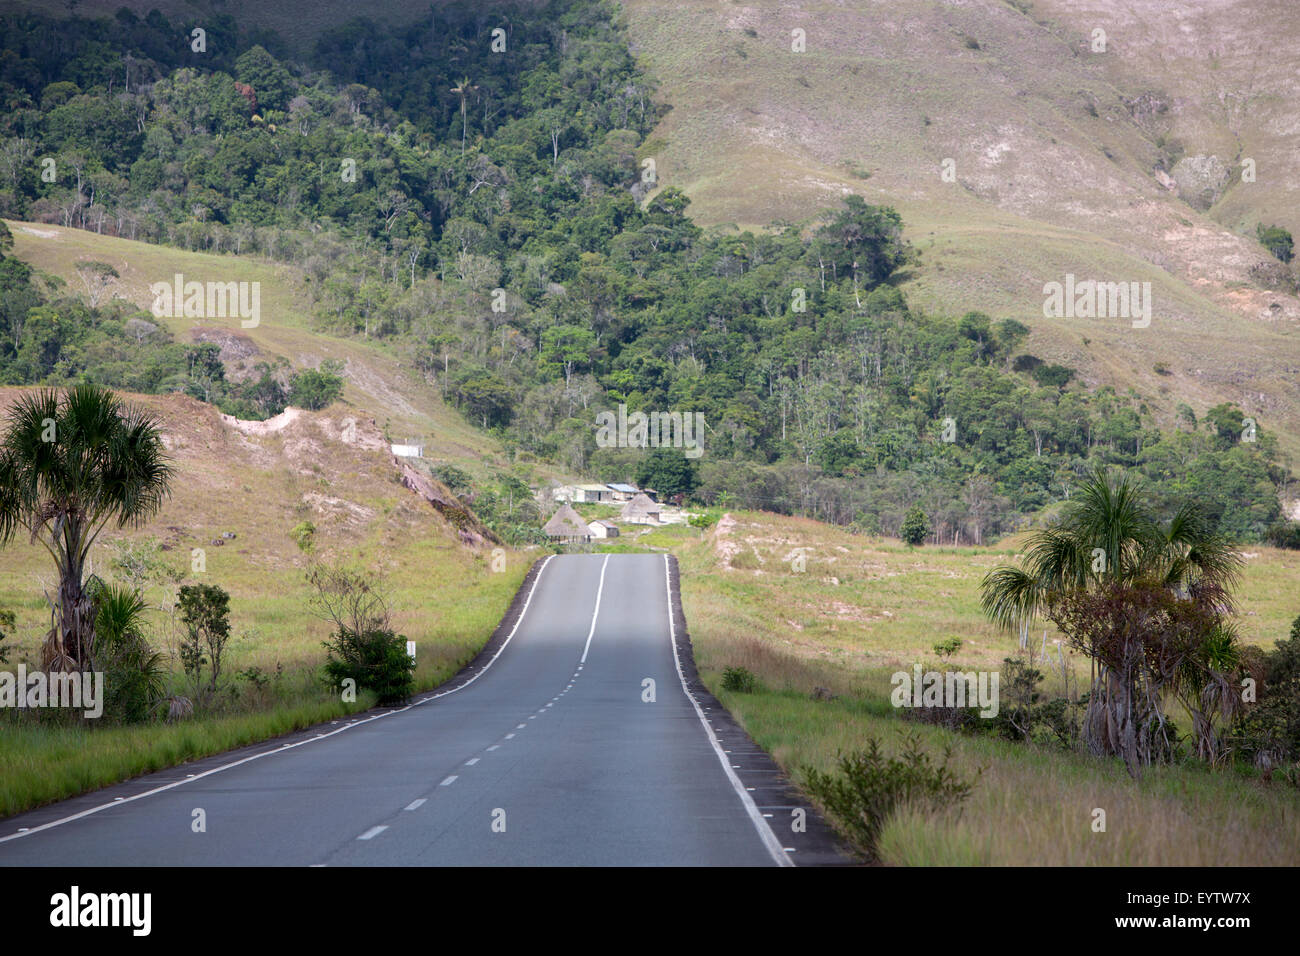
(496, 216)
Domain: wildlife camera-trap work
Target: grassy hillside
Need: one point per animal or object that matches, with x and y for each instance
(381, 385)
(258, 482)
(1055, 152)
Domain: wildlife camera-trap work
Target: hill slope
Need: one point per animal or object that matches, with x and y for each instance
(1056, 152)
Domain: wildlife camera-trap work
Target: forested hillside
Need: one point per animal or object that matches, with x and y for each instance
(496, 215)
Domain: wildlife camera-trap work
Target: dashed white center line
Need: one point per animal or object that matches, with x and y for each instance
(415, 804)
(495, 746)
(471, 761)
(520, 726)
(372, 833)
(449, 781)
(510, 736)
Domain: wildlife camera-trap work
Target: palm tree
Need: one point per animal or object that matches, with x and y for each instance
(1108, 547)
(1108, 535)
(69, 465)
(463, 88)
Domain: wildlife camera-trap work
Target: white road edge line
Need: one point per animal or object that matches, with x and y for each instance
(118, 801)
(595, 611)
(773, 845)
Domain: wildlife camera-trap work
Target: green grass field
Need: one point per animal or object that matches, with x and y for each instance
(863, 608)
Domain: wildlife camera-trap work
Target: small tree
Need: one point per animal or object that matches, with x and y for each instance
(363, 647)
(916, 527)
(205, 611)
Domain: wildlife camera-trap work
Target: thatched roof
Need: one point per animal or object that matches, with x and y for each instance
(566, 523)
(640, 507)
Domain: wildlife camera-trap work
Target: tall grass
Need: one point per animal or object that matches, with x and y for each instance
(1032, 804)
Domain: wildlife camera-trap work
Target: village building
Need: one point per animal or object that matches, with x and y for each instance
(583, 494)
(623, 492)
(567, 525)
(641, 510)
(602, 528)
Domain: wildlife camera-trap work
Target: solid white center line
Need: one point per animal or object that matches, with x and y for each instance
(471, 761)
(449, 781)
(415, 804)
(372, 833)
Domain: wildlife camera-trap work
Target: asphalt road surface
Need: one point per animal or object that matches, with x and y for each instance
(552, 755)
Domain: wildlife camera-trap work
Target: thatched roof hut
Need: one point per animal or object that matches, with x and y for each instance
(567, 525)
(641, 510)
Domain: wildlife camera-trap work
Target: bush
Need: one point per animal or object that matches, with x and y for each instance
(375, 660)
(314, 389)
(869, 788)
(916, 526)
(1284, 534)
(133, 671)
(946, 649)
(1268, 730)
(1277, 240)
(739, 679)
(6, 627)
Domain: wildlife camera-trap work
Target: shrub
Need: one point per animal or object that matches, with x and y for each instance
(133, 671)
(739, 679)
(1277, 240)
(374, 659)
(916, 526)
(869, 788)
(304, 535)
(1268, 731)
(6, 627)
(1284, 534)
(314, 389)
(946, 649)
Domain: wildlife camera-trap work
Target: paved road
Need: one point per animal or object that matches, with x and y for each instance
(553, 744)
